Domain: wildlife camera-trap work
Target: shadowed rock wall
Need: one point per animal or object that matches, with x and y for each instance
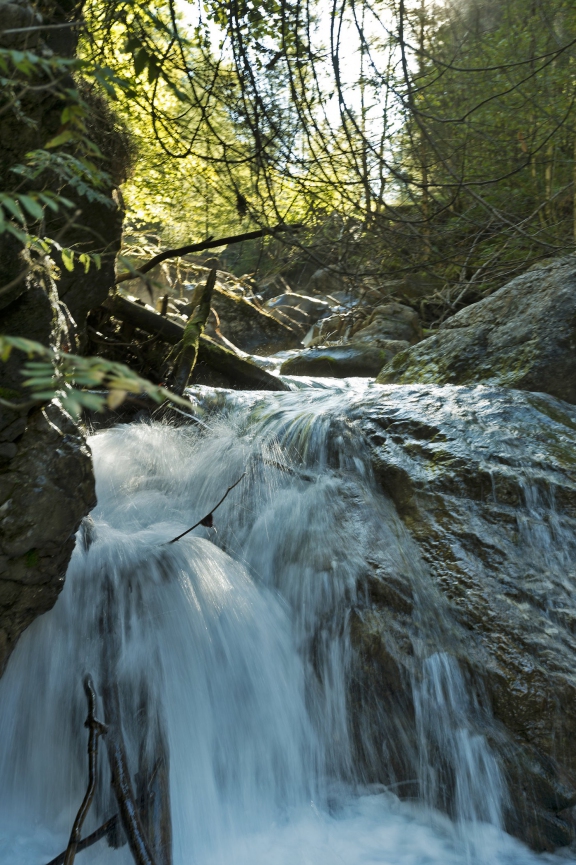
(46, 480)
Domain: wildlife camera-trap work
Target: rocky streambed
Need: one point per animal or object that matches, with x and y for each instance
(480, 482)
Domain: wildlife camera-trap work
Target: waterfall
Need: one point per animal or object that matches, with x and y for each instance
(233, 656)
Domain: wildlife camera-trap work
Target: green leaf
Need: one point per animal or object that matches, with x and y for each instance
(153, 70)
(49, 201)
(32, 206)
(140, 61)
(68, 259)
(63, 138)
(131, 44)
(11, 205)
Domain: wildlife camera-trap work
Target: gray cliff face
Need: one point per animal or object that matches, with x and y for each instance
(523, 336)
(484, 479)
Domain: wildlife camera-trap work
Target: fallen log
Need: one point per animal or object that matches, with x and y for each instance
(243, 372)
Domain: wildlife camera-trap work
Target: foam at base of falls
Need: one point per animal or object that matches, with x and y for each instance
(363, 830)
(244, 648)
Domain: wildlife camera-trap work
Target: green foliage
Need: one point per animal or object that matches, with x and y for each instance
(72, 379)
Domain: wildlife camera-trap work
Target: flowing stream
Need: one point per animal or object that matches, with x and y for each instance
(233, 655)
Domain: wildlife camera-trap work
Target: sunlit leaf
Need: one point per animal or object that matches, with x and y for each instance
(116, 397)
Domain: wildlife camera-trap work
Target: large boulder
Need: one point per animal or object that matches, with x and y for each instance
(522, 336)
(484, 480)
(46, 481)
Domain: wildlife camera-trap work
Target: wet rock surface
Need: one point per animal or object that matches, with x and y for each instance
(46, 481)
(484, 479)
(342, 361)
(522, 336)
(46, 487)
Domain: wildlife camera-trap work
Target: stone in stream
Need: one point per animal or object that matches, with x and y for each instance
(297, 310)
(342, 361)
(522, 336)
(390, 321)
(484, 479)
(391, 328)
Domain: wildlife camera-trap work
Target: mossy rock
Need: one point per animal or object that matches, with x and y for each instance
(523, 336)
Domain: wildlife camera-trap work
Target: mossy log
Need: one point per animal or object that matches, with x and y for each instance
(242, 372)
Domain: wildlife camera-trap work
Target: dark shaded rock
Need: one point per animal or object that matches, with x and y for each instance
(248, 326)
(341, 361)
(46, 483)
(485, 482)
(523, 336)
(325, 281)
(45, 490)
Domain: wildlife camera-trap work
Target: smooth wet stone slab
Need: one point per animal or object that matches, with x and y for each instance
(484, 479)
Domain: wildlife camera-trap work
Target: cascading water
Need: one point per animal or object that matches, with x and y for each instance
(232, 653)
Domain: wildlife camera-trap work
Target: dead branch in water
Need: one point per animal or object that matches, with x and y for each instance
(96, 729)
(102, 831)
(207, 520)
(121, 783)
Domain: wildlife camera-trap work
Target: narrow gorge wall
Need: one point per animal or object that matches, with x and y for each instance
(46, 479)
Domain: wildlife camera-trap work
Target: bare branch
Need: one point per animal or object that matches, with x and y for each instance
(205, 519)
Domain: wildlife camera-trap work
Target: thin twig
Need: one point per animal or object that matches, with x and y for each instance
(195, 526)
(40, 27)
(89, 840)
(96, 729)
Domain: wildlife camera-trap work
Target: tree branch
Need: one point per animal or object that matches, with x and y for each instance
(198, 247)
(91, 839)
(121, 783)
(96, 729)
(191, 337)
